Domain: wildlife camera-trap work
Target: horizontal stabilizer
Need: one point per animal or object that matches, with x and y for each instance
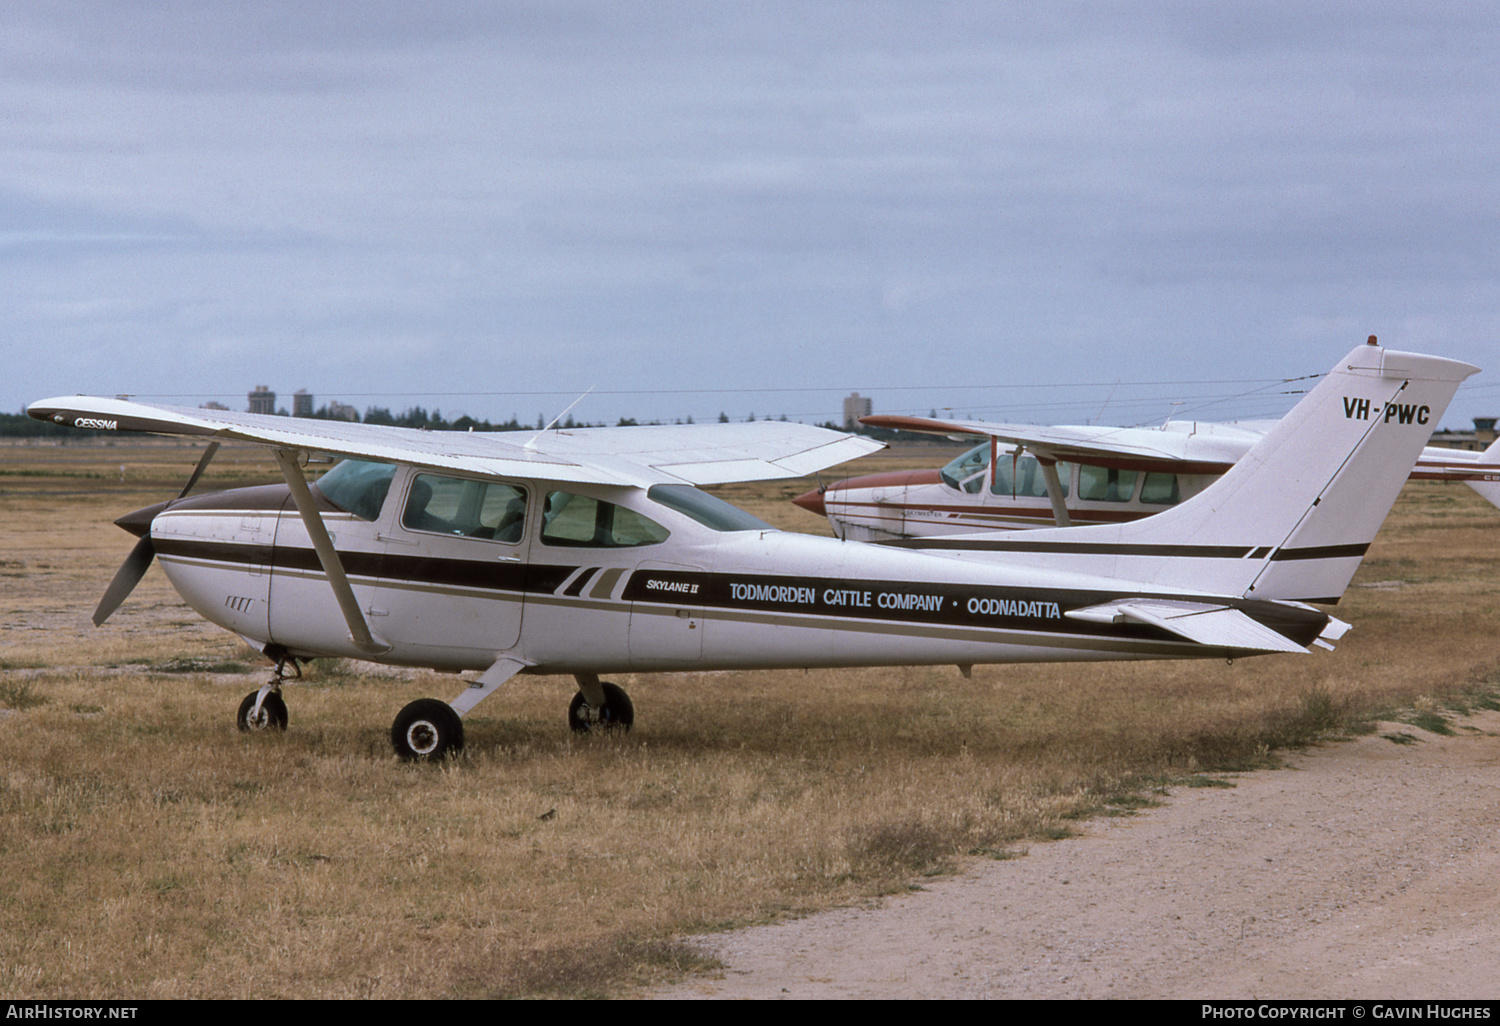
(1209, 624)
(1488, 484)
(1335, 630)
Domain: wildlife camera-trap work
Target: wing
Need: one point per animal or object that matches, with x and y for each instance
(1185, 448)
(698, 454)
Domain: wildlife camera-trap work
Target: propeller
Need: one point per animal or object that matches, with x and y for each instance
(139, 561)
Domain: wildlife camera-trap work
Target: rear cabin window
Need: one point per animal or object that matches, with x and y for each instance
(1161, 490)
(580, 521)
(709, 510)
(1106, 484)
(471, 509)
(357, 486)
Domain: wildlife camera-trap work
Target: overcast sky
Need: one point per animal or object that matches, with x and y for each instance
(1127, 209)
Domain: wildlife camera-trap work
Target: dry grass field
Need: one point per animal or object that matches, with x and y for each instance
(148, 850)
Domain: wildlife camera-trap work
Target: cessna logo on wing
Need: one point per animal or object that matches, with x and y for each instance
(1402, 413)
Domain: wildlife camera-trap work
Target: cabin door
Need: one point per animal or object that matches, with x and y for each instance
(452, 580)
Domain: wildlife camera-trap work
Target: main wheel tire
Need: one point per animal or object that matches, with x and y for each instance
(426, 730)
(272, 714)
(617, 713)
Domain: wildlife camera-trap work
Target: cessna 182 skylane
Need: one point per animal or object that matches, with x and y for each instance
(1028, 476)
(591, 552)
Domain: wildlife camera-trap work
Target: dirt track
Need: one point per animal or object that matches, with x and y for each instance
(1366, 869)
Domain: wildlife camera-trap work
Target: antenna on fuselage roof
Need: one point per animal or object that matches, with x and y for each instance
(532, 443)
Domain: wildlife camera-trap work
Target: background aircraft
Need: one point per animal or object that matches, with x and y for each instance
(1024, 477)
(591, 552)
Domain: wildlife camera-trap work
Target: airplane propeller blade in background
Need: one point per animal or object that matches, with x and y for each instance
(139, 561)
(203, 461)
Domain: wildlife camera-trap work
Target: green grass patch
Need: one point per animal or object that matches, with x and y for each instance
(20, 694)
(194, 664)
(1199, 780)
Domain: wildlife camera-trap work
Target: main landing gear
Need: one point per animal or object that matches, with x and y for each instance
(428, 729)
(599, 706)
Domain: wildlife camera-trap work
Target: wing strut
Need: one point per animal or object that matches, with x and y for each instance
(500, 671)
(1055, 491)
(328, 556)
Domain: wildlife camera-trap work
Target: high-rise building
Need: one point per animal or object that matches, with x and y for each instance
(855, 407)
(262, 400)
(302, 403)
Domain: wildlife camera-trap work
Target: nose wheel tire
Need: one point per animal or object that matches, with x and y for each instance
(426, 730)
(616, 714)
(272, 715)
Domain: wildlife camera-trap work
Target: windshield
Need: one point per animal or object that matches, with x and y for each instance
(709, 510)
(358, 486)
(964, 467)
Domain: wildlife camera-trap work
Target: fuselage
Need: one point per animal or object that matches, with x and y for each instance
(452, 573)
(967, 495)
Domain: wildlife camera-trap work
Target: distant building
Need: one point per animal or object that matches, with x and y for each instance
(263, 400)
(212, 405)
(302, 403)
(338, 411)
(855, 407)
(1475, 441)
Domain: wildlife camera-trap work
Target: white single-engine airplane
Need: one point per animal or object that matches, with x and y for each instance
(1024, 476)
(591, 552)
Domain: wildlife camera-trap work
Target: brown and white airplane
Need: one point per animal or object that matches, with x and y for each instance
(1026, 476)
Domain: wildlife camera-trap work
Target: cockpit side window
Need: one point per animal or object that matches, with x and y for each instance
(1024, 478)
(358, 486)
(581, 521)
(491, 510)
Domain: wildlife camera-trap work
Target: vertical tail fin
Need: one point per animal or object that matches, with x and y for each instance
(1489, 488)
(1293, 518)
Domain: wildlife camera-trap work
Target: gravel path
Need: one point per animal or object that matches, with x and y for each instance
(1366, 869)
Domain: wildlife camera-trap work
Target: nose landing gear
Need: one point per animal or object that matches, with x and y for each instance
(265, 709)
